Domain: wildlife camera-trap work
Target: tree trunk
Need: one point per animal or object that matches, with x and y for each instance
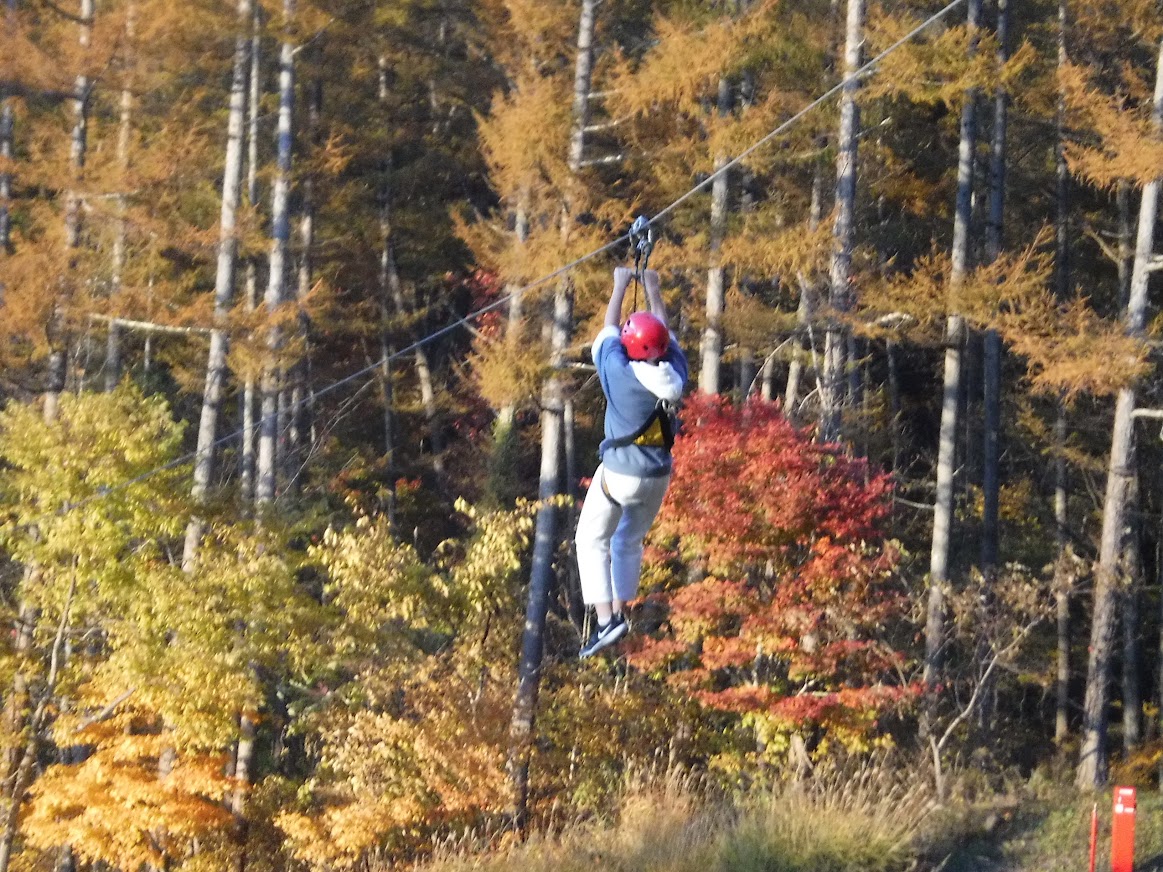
(1159, 651)
(268, 430)
(301, 396)
(223, 285)
(389, 280)
(805, 307)
(992, 348)
(120, 240)
(243, 758)
(1132, 695)
(712, 342)
(1092, 763)
(7, 132)
(249, 393)
(843, 231)
(503, 455)
(954, 337)
(582, 76)
(545, 535)
(1126, 247)
(1062, 288)
(545, 539)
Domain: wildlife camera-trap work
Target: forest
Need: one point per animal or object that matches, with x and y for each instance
(297, 411)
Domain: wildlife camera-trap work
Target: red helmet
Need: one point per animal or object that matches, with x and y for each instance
(644, 337)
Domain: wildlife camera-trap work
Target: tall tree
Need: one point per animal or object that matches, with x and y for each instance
(992, 348)
(954, 337)
(1092, 763)
(545, 532)
(711, 351)
(268, 430)
(223, 282)
(1062, 290)
(843, 231)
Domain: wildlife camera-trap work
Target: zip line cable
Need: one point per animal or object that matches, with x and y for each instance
(856, 76)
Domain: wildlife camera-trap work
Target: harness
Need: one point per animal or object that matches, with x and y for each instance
(658, 431)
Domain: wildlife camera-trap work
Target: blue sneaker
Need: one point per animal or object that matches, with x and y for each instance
(602, 637)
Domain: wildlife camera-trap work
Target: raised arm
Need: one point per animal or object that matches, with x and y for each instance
(622, 276)
(654, 296)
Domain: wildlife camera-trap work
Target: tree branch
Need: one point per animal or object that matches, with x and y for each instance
(106, 712)
(150, 327)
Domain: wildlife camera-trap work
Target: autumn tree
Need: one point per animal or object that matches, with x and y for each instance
(792, 626)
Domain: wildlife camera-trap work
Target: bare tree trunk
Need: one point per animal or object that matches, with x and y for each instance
(1092, 763)
(223, 285)
(992, 348)
(249, 393)
(120, 241)
(389, 281)
(545, 534)
(57, 364)
(1132, 694)
(301, 413)
(503, 457)
(954, 337)
(806, 306)
(7, 132)
(243, 758)
(545, 539)
(1159, 651)
(712, 344)
(268, 431)
(582, 76)
(1126, 245)
(843, 231)
(1062, 288)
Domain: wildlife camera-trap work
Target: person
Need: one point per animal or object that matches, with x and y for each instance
(643, 372)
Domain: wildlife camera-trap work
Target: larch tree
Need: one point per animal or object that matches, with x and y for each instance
(545, 532)
(1092, 765)
(954, 336)
(266, 470)
(212, 394)
(843, 230)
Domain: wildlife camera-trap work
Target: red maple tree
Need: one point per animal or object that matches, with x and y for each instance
(796, 601)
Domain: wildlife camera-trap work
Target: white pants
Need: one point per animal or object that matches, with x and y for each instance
(610, 533)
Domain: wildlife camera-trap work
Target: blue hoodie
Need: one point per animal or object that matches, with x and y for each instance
(633, 389)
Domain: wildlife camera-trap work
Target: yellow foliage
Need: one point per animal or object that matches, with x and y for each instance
(687, 62)
(423, 749)
(764, 245)
(942, 69)
(1118, 142)
(1071, 350)
(114, 808)
(508, 373)
(517, 160)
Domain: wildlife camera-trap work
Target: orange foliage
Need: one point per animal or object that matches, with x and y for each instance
(114, 808)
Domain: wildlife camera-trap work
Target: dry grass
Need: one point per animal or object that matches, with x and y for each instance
(857, 818)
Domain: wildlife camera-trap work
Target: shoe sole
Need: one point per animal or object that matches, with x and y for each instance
(615, 634)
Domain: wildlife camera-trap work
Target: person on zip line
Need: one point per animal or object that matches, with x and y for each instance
(643, 372)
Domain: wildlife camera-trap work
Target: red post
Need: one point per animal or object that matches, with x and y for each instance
(1123, 830)
(1093, 835)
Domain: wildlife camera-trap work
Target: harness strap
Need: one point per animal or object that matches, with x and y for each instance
(657, 431)
(606, 490)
